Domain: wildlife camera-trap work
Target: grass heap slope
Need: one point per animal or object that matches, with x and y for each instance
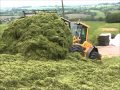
(2, 27)
(42, 35)
(18, 74)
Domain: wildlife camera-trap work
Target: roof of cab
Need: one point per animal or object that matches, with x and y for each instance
(81, 23)
(65, 19)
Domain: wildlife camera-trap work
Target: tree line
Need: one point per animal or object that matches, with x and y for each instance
(113, 17)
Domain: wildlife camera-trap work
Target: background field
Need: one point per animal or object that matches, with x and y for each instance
(98, 13)
(96, 28)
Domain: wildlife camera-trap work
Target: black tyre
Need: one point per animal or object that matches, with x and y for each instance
(94, 55)
(76, 48)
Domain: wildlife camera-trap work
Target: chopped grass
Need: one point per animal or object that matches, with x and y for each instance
(2, 28)
(16, 73)
(41, 35)
(73, 73)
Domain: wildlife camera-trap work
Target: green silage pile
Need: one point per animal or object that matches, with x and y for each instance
(42, 35)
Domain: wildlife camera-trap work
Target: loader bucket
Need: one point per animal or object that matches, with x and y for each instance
(93, 53)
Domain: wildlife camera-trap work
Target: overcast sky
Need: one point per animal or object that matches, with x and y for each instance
(18, 3)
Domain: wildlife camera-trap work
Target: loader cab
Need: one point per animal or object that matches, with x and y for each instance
(79, 30)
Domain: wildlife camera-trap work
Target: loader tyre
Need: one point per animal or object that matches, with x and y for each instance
(76, 48)
(94, 55)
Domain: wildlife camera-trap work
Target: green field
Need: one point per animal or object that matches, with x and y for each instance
(98, 13)
(76, 16)
(73, 73)
(95, 29)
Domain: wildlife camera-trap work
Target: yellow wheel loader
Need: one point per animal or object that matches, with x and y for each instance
(80, 40)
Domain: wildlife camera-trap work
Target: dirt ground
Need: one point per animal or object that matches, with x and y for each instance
(109, 51)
